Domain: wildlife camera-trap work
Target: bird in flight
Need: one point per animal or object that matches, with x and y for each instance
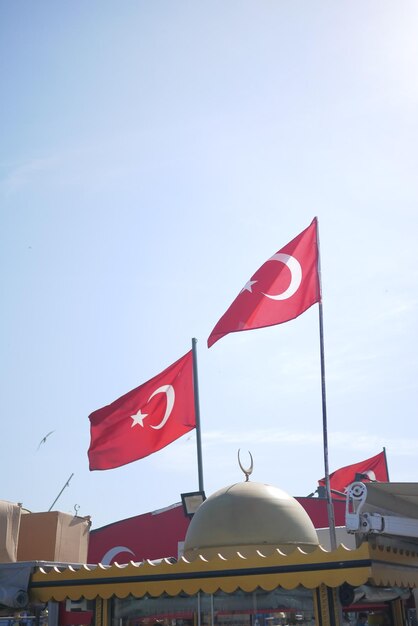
(43, 440)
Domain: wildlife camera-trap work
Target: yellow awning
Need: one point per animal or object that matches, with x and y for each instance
(140, 579)
(379, 565)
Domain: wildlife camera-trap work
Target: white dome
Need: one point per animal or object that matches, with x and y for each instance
(246, 517)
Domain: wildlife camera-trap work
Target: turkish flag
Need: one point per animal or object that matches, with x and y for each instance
(145, 419)
(283, 288)
(371, 469)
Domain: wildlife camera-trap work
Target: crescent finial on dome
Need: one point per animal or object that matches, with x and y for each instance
(248, 471)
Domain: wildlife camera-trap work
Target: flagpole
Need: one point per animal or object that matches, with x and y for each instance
(386, 463)
(66, 485)
(330, 508)
(197, 414)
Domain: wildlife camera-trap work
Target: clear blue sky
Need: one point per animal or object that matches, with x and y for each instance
(153, 155)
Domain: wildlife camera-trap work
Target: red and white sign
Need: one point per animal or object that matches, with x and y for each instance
(158, 534)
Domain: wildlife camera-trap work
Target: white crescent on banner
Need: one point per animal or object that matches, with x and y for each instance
(110, 554)
(295, 276)
(370, 475)
(170, 395)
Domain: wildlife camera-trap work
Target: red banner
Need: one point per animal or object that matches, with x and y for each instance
(371, 469)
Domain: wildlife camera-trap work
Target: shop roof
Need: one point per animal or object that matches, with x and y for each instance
(378, 565)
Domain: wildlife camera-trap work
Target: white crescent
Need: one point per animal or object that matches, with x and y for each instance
(295, 276)
(370, 475)
(110, 554)
(170, 395)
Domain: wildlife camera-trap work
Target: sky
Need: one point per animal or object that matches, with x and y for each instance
(153, 156)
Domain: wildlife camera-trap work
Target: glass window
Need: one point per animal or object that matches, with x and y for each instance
(259, 608)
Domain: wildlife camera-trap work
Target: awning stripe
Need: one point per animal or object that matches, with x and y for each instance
(252, 571)
(382, 565)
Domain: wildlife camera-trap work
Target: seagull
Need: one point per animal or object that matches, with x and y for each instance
(43, 440)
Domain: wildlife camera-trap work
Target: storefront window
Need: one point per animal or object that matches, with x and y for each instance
(259, 608)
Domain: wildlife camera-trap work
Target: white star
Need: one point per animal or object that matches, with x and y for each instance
(248, 286)
(138, 419)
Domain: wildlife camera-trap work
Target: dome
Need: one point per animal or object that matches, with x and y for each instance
(246, 517)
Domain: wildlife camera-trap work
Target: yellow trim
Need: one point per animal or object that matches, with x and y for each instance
(388, 566)
(337, 608)
(288, 571)
(316, 607)
(393, 566)
(398, 613)
(324, 618)
(98, 613)
(394, 554)
(105, 612)
(325, 614)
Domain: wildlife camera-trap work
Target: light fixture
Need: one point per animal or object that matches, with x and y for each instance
(191, 502)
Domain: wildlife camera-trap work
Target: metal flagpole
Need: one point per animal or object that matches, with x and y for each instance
(386, 463)
(330, 508)
(197, 414)
(66, 485)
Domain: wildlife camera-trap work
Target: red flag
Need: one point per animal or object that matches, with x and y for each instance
(144, 420)
(283, 288)
(374, 468)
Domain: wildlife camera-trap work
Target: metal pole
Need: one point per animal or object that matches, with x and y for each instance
(386, 464)
(197, 414)
(66, 485)
(198, 609)
(330, 508)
